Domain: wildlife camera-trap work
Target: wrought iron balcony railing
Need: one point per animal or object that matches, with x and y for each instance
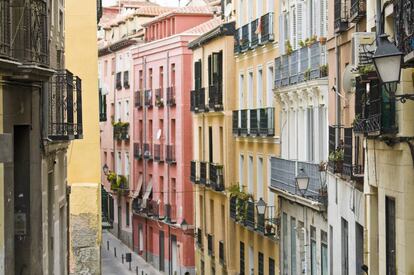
(254, 33)
(200, 238)
(404, 28)
(210, 244)
(245, 37)
(267, 32)
(159, 97)
(237, 37)
(278, 72)
(120, 183)
(203, 172)
(216, 177)
(198, 101)
(170, 211)
(138, 99)
(31, 37)
(215, 97)
(126, 80)
(147, 151)
(194, 172)
(148, 98)
(283, 176)
(121, 131)
(137, 150)
(65, 107)
(358, 10)
(170, 153)
(254, 122)
(250, 221)
(171, 96)
(340, 16)
(5, 28)
(158, 152)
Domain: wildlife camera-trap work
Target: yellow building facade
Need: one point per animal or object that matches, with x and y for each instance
(212, 100)
(254, 120)
(84, 155)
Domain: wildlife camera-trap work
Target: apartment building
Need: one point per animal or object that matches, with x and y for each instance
(298, 174)
(212, 103)
(386, 121)
(41, 113)
(253, 206)
(347, 44)
(163, 194)
(119, 36)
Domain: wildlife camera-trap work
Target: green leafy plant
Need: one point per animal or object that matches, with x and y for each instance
(324, 70)
(242, 198)
(337, 155)
(301, 44)
(289, 48)
(366, 69)
(306, 74)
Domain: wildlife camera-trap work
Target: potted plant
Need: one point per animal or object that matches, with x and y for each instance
(306, 74)
(289, 48)
(324, 70)
(242, 198)
(322, 166)
(367, 73)
(322, 40)
(337, 158)
(269, 229)
(301, 44)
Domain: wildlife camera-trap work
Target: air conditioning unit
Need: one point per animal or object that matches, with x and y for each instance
(363, 48)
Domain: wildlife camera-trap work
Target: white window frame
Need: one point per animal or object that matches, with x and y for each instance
(259, 181)
(269, 84)
(250, 88)
(259, 87)
(250, 174)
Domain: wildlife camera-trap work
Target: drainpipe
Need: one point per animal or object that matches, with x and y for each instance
(337, 97)
(168, 168)
(144, 180)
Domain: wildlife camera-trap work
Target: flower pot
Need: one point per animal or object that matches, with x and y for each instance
(338, 166)
(322, 40)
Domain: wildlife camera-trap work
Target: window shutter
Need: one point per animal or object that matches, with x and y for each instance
(197, 75)
(294, 40)
(281, 34)
(220, 67)
(209, 70)
(323, 17)
(299, 24)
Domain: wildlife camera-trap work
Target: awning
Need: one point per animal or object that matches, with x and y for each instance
(138, 188)
(148, 191)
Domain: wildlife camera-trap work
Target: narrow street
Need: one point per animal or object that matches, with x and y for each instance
(113, 265)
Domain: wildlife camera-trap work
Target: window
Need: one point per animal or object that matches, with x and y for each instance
(141, 80)
(173, 75)
(127, 165)
(314, 268)
(390, 236)
(113, 65)
(126, 79)
(324, 253)
(127, 213)
(241, 13)
(118, 111)
(261, 264)
(126, 110)
(150, 79)
(359, 247)
(260, 182)
(301, 239)
(241, 170)
(215, 68)
(250, 175)
(242, 266)
(269, 86)
(310, 136)
(271, 266)
(118, 164)
(161, 78)
(344, 245)
(259, 8)
(105, 69)
(292, 245)
(197, 75)
(285, 264)
(250, 91)
(241, 92)
(260, 102)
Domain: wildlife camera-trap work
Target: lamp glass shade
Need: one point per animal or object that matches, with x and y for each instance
(184, 225)
(388, 68)
(105, 169)
(261, 207)
(302, 181)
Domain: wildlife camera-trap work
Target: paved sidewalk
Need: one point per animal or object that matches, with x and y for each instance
(112, 265)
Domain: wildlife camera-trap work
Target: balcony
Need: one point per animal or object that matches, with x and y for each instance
(171, 96)
(216, 177)
(340, 17)
(148, 98)
(200, 238)
(158, 153)
(374, 111)
(5, 29)
(404, 34)
(258, 32)
(194, 172)
(126, 79)
(153, 209)
(119, 183)
(335, 162)
(304, 64)
(198, 100)
(147, 151)
(254, 122)
(210, 245)
(159, 97)
(283, 177)
(215, 97)
(121, 131)
(203, 172)
(65, 107)
(170, 154)
(245, 213)
(358, 10)
(170, 212)
(138, 99)
(137, 151)
(118, 81)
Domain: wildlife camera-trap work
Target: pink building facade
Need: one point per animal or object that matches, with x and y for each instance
(162, 141)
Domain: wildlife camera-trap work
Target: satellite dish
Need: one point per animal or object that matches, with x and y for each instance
(227, 10)
(158, 134)
(348, 79)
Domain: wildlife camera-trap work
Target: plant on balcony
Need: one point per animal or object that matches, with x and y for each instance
(324, 70)
(302, 44)
(159, 102)
(337, 157)
(306, 74)
(366, 69)
(269, 228)
(311, 40)
(322, 166)
(242, 197)
(289, 49)
(322, 40)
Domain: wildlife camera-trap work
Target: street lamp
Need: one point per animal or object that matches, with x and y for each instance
(302, 181)
(261, 207)
(387, 60)
(184, 225)
(105, 169)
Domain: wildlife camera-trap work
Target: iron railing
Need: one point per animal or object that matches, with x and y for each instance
(99, 10)
(340, 17)
(200, 238)
(216, 176)
(5, 28)
(194, 172)
(118, 81)
(358, 10)
(278, 72)
(215, 97)
(65, 107)
(254, 33)
(267, 33)
(147, 151)
(235, 123)
(233, 208)
(283, 175)
(148, 98)
(244, 129)
(170, 153)
(159, 97)
(245, 37)
(137, 150)
(121, 131)
(198, 100)
(237, 45)
(285, 70)
(126, 79)
(158, 152)
(171, 96)
(138, 99)
(254, 122)
(348, 159)
(404, 25)
(203, 172)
